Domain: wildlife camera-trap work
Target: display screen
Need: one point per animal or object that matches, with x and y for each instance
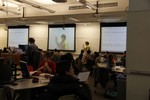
(113, 37)
(17, 35)
(62, 37)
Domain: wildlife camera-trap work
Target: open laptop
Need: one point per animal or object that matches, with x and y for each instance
(83, 76)
(24, 69)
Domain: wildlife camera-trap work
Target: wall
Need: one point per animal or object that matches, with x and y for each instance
(3, 37)
(138, 49)
(40, 34)
(89, 32)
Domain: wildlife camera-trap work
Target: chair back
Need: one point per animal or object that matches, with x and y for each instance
(5, 74)
(68, 97)
(121, 89)
(1, 60)
(5, 93)
(37, 57)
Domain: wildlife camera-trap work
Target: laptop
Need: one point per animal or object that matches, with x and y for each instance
(5, 74)
(83, 76)
(24, 69)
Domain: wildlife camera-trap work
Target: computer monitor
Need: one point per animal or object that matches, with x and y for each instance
(24, 69)
(23, 47)
(5, 74)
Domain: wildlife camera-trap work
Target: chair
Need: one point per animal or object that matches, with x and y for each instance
(68, 97)
(5, 74)
(1, 60)
(101, 75)
(121, 88)
(34, 59)
(5, 93)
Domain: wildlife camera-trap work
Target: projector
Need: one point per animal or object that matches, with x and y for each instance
(60, 1)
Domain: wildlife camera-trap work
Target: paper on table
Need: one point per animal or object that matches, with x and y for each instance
(83, 76)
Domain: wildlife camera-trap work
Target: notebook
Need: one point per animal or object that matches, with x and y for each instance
(83, 76)
(24, 69)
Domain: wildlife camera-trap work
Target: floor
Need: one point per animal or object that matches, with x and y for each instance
(99, 94)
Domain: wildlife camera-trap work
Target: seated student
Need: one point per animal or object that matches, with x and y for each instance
(81, 54)
(69, 57)
(56, 55)
(5, 50)
(123, 59)
(47, 65)
(64, 83)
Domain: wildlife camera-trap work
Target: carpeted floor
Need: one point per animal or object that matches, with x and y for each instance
(98, 92)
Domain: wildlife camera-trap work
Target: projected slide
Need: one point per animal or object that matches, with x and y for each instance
(113, 38)
(62, 38)
(17, 35)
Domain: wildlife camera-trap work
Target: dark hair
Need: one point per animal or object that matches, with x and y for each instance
(63, 36)
(67, 56)
(55, 50)
(88, 51)
(62, 67)
(48, 55)
(87, 43)
(82, 51)
(31, 40)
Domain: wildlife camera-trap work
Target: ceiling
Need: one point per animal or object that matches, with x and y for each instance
(15, 12)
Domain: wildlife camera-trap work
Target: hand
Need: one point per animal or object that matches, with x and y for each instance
(46, 64)
(40, 68)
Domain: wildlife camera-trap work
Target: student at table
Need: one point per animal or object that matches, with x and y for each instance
(64, 83)
(5, 50)
(47, 65)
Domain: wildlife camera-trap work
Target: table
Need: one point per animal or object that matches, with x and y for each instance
(14, 56)
(24, 87)
(119, 69)
(102, 65)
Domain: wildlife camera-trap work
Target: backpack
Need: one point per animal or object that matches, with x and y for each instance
(110, 93)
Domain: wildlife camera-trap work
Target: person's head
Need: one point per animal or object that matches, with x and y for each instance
(82, 51)
(96, 54)
(86, 43)
(63, 37)
(124, 54)
(65, 68)
(55, 50)
(31, 40)
(88, 51)
(67, 56)
(5, 49)
(47, 56)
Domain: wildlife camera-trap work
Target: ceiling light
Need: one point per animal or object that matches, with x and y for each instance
(36, 5)
(74, 19)
(6, 10)
(10, 4)
(41, 22)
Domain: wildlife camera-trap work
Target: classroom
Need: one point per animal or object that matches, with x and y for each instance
(137, 49)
